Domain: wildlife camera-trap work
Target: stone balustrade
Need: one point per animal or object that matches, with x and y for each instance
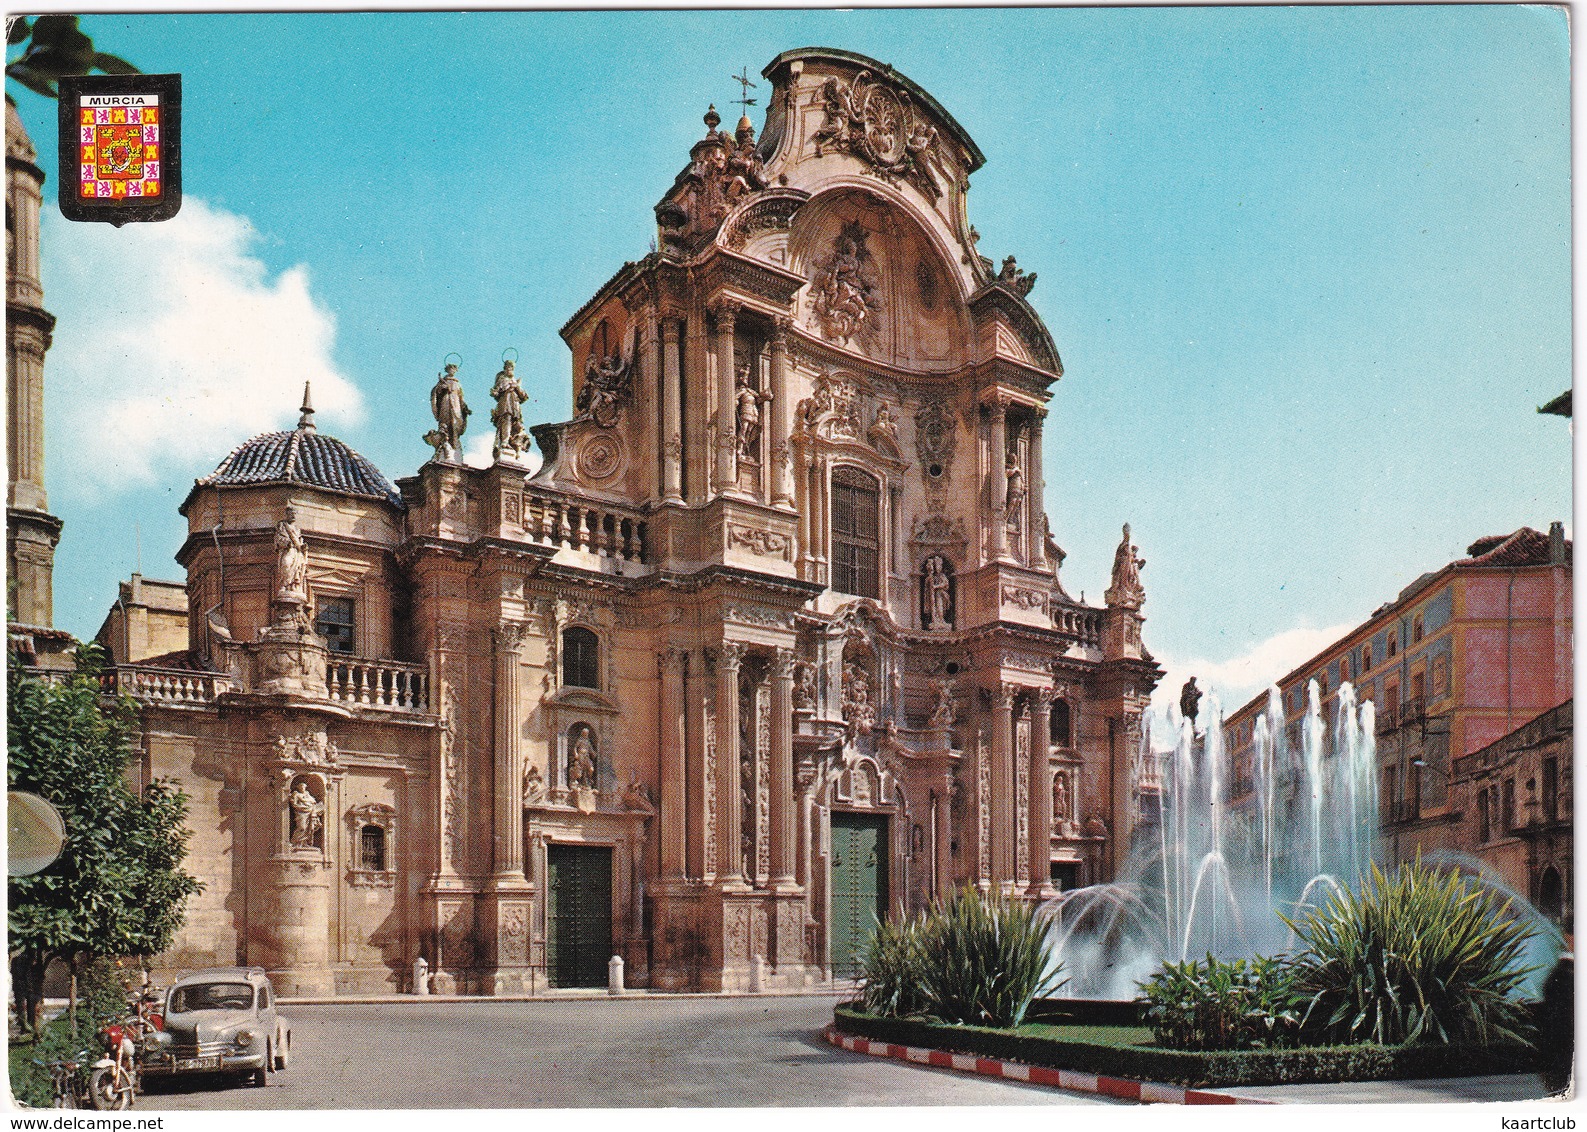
(1083, 624)
(553, 520)
(378, 683)
(167, 685)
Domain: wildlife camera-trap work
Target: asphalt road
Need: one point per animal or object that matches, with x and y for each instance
(622, 1053)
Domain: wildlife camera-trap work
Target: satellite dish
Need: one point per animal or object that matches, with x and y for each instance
(34, 834)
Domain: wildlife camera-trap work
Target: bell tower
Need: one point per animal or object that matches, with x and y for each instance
(31, 531)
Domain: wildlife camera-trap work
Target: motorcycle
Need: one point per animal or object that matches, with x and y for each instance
(113, 1080)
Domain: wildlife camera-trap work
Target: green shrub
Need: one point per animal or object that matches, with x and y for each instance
(892, 969)
(984, 960)
(102, 995)
(1420, 957)
(1222, 1005)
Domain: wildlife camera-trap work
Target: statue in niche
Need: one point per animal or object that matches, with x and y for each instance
(883, 433)
(1126, 589)
(292, 561)
(308, 815)
(804, 693)
(534, 785)
(451, 414)
(507, 416)
(750, 400)
(938, 593)
(1060, 799)
(1014, 499)
(581, 759)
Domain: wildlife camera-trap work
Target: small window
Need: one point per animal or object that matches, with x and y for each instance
(1417, 630)
(1366, 657)
(1551, 788)
(1344, 669)
(1484, 826)
(581, 658)
(1059, 724)
(1418, 687)
(856, 534)
(333, 620)
(1394, 641)
(1508, 809)
(1391, 700)
(372, 848)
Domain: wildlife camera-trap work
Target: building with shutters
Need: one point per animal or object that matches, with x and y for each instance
(773, 642)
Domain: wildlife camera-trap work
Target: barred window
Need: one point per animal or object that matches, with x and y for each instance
(856, 534)
(372, 848)
(581, 658)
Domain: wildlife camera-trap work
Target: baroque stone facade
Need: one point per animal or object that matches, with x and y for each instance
(783, 586)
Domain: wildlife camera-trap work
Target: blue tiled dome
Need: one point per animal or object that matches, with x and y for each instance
(302, 456)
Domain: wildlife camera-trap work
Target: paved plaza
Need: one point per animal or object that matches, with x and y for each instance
(630, 1052)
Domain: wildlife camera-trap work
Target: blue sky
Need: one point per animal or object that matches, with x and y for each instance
(1308, 268)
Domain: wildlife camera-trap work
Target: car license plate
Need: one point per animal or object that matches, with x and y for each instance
(197, 1063)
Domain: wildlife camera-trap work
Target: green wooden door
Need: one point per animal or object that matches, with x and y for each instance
(579, 907)
(859, 886)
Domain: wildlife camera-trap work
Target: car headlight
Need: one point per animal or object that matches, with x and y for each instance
(244, 1039)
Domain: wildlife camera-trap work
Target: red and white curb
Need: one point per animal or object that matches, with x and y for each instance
(1147, 1092)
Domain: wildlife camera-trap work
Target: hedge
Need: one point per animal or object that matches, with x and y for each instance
(1044, 1044)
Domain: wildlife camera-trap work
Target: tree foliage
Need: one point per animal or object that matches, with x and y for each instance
(56, 46)
(118, 887)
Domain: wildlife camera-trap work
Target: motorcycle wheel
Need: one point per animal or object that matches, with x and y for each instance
(105, 1094)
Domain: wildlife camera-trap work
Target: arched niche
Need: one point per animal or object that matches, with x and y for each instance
(880, 284)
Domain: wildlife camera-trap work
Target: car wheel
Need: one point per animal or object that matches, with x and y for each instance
(257, 1078)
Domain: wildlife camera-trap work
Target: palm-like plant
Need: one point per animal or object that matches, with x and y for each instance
(1419, 956)
(986, 960)
(891, 967)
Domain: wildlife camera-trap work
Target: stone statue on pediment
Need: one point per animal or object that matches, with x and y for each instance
(507, 416)
(451, 414)
(1126, 589)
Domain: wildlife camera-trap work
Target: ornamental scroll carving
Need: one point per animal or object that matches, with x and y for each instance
(767, 544)
(1023, 598)
(879, 123)
(936, 437)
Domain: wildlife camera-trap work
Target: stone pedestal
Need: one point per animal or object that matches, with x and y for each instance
(294, 944)
(505, 916)
(679, 950)
(290, 660)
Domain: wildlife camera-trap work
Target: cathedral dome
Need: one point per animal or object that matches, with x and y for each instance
(302, 456)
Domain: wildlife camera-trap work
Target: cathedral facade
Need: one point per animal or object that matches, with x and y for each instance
(771, 643)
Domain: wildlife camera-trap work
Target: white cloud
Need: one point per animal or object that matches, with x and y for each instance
(174, 344)
(1235, 681)
(477, 451)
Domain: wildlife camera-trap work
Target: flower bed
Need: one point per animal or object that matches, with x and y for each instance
(1125, 1051)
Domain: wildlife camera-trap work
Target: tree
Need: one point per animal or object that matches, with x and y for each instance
(56, 47)
(118, 887)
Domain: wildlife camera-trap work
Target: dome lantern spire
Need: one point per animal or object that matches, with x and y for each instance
(306, 420)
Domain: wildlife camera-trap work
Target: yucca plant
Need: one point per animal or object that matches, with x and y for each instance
(892, 967)
(985, 960)
(1417, 957)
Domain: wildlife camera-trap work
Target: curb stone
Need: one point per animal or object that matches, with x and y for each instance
(1145, 1092)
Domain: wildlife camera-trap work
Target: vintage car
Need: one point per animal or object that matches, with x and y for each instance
(221, 1020)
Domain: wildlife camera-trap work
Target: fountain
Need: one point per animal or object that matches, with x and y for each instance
(1217, 856)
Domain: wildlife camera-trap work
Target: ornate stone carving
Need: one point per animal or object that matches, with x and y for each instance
(829, 412)
(608, 386)
(767, 544)
(637, 796)
(936, 599)
(804, 693)
(600, 457)
(513, 935)
(307, 812)
(772, 214)
(1126, 591)
(534, 785)
(451, 775)
(582, 758)
(451, 414)
(983, 795)
(749, 400)
(507, 416)
(883, 433)
(1011, 276)
(858, 710)
(944, 714)
(757, 615)
(936, 438)
(845, 292)
(1025, 598)
(878, 122)
(312, 748)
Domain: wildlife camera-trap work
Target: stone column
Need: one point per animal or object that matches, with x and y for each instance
(674, 788)
(508, 839)
(672, 414)
(999, 444)
(942, 799)
(649, 395)
(697, 865)
(1036, 500)
(727, 398)
(781, 417)
(729, 818)
(782, 771)
(1003, 783)
(1041, 794)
